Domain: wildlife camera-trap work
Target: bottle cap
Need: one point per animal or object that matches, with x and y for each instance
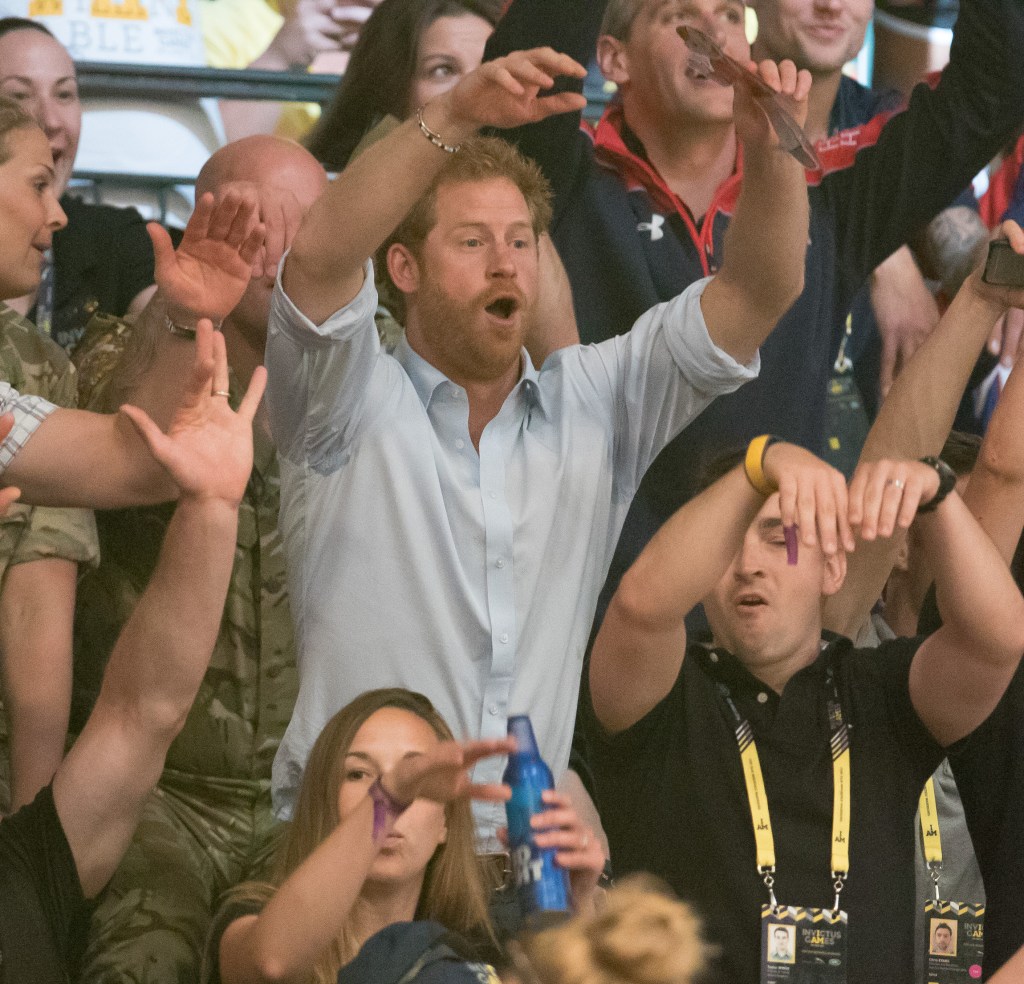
(520, 728)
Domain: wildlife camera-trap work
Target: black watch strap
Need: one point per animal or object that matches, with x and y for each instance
(947, 482)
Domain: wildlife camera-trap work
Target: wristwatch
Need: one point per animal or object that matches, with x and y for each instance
(947, 481)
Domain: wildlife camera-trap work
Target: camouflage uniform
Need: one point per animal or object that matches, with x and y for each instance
(208, 824)
(35, 366)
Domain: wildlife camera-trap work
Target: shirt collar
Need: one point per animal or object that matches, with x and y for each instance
(426, 378)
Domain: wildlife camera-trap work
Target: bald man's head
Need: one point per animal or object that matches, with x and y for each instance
(264, 160)
(287, 179)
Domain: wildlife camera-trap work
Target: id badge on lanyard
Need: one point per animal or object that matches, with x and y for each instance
(800, 942)
(955, 936)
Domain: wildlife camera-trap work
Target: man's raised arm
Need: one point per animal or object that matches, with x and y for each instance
(914, 421)
(640, 646)
(961, 671)
(160, 658)
(762, 270)
(369, 199)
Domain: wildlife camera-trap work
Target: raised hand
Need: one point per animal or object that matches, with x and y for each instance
(208, 273)
(506, 92)
(753, 126)
(207, 449)
(279, 212)
(442, 774)
(812, 496)
(885, 495)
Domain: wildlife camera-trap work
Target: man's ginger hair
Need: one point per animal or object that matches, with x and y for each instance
(478, 159)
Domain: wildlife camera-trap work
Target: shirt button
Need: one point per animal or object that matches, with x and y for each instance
(493, 710)
(713, 657)
(504, 637)
(493, 495)
(499, 562)
(459, 443)
(762, 698)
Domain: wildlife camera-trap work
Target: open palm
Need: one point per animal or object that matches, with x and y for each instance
(208, 273)
(441, 774)
(207, 449)
(506, 92)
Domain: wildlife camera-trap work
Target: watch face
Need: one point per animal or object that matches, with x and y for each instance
(947, 482)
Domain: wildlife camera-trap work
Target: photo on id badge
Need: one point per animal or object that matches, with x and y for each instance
(801, 945)
(956, 942)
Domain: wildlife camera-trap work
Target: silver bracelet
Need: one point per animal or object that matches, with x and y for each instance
(435, 138)
(179, 331)
(183, 331)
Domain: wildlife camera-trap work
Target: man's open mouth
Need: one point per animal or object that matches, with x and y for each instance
(503, 307)
(750, 601)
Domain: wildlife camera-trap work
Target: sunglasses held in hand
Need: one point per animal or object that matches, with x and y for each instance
(708, 59)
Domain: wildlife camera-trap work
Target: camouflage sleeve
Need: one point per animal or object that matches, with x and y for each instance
(44, 533)
(69, 534)
(96, 357)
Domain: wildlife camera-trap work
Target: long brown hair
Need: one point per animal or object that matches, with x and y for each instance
(455, 888)
(380, 72)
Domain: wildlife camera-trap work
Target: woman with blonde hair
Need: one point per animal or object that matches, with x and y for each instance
(642, 935)
(382, 840)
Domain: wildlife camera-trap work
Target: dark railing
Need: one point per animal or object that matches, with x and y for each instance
(108, 80)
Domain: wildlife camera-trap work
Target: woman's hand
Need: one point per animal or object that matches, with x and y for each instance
(442, 774)
(578, 849)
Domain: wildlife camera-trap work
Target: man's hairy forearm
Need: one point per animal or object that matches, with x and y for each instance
(92, 460)
(165, 647)
(762, 271)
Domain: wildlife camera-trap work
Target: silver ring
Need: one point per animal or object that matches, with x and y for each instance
(897, 482)
(223, 393)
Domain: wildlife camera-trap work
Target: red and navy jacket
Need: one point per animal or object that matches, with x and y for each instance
(628, 243)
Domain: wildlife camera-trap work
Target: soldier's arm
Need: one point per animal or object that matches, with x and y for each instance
(160, 658)
(37, 606)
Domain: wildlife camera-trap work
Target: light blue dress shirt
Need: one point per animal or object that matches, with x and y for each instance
(471, 577)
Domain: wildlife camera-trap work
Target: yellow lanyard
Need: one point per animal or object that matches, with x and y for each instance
(930, 833)
(757, 796)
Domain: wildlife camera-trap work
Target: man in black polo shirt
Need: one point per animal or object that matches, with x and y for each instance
(667, 760)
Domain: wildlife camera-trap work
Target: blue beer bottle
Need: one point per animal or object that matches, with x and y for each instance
(541, 885)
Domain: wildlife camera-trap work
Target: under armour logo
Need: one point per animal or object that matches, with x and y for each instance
(653, 227)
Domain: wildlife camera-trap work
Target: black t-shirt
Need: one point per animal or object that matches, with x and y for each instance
(102, 260)
(989, 772)
(672, 798)
(44, 917)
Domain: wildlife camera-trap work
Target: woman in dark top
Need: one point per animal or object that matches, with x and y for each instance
(381, 840)
(103, 260)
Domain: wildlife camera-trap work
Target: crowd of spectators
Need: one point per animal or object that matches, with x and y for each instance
(642, 428)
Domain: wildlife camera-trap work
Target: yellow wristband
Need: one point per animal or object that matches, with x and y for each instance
(753, 464)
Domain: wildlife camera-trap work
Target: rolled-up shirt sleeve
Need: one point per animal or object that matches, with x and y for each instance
(320, 377)
(657, 377)
(29, 412)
